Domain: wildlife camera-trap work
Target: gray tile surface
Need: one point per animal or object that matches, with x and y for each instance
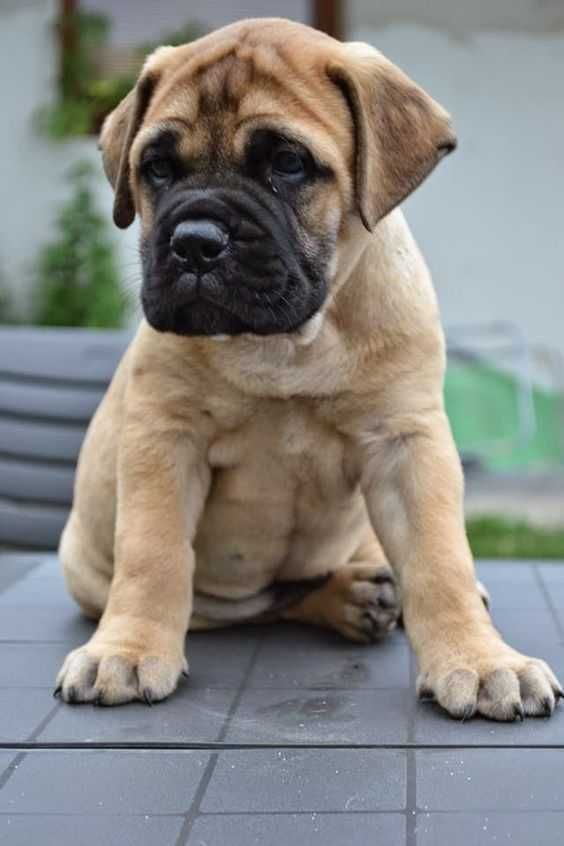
(487, 829)
(494, 780)
(285, 829)
(527, 631)
(312, 660)
(89, 830)
(281, 735)
(13, 568)
(30, 664)
(553, 579)
(522, 591)
(22, 712)
(293, 780)
(42, 587)
(104, 782)
(6, 758)
(43, 624)
(314, 716)
(431, 728)
(218, 659)
(193, 715)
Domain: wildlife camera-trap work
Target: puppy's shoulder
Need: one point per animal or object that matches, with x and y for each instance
(163, 371)
(399, 263)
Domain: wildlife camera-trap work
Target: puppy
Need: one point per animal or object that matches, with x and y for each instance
(275, 434)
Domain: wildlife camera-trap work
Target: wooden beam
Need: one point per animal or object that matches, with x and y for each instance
(68, 41)
(329, 17)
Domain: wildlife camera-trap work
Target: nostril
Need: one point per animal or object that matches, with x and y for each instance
(211, 249)
(201, 242)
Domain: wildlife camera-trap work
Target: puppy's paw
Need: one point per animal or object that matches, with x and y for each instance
(110, 676)
(503, 686)
(364, 602)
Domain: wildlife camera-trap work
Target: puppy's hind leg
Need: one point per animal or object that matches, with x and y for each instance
(87, 572)
(360, 599)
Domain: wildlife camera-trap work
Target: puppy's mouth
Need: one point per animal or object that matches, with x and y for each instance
(224, 261)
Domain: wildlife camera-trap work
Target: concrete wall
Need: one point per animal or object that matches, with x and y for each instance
(490, 219)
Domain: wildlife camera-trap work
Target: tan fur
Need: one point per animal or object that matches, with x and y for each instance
(217, 467)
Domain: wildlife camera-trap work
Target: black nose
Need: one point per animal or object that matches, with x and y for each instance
(199, 242)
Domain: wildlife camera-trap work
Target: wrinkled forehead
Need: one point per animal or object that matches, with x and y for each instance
(218, 105)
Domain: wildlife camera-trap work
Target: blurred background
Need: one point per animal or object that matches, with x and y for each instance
(489, 222)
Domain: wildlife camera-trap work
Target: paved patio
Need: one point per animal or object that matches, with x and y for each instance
(282, 735)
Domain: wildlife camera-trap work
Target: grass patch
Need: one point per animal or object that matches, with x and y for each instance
(496, 537)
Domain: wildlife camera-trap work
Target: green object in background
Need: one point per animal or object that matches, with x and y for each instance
(482, 405)
(85, 95)
(496, 537)
(6, 305)
(77, 280)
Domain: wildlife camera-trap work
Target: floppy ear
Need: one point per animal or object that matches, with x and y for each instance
(117, 136)
(400, 133)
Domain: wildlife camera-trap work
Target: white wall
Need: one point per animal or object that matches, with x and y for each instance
(491, 218)
(151, 19)
(32, 167)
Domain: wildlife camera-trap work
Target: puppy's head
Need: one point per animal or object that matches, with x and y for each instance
(246, 154)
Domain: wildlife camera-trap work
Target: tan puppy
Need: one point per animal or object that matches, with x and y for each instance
(281, 408)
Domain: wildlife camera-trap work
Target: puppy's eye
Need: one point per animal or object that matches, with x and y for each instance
(288, 164)
(158, 171)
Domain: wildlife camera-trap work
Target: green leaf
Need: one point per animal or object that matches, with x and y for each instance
(77, 281)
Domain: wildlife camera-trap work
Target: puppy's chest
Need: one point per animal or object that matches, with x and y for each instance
(283, 449)
(280, 488)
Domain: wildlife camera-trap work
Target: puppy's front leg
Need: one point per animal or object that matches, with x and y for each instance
(412, 482)
(137, 651)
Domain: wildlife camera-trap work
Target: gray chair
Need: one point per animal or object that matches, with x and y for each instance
(51, 381)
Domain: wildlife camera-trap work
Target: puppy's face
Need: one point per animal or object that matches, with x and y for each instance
(246, 154)
(239, 222)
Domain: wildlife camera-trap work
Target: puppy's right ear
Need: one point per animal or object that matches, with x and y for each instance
(119, 131)
(117, 136)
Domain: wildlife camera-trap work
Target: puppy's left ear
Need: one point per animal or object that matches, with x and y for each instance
(400, 133)
(119, 131)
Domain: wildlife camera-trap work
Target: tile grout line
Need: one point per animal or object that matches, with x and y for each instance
(13, 581)
(214, 746)
(240, 690)
(385, 812)
(44, 723)
(13, 766)
(411, 772)
(548, 599)
(194, 811)
(458, 812)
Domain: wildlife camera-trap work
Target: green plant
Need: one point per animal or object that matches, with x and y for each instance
(85, 96)
(10, 311)
(498, 537)
(6, 314)
(77, 282)
(80, 35)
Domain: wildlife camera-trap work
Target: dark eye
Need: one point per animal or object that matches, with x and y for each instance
(158, 171)
(288, 164)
